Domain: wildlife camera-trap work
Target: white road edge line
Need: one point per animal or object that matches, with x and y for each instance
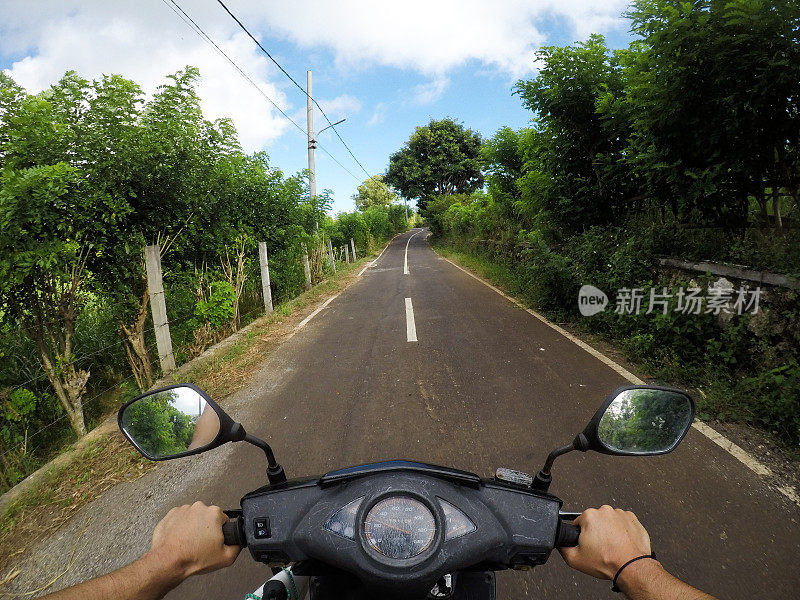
(411, 328)
(315, 313)
(720, 440)
(405, 261)
(372, 264)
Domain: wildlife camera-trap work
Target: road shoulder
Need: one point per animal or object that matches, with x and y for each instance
(783, 477)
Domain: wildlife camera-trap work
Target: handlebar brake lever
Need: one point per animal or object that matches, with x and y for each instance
(568, 516)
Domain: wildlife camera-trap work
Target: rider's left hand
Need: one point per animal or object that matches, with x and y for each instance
(189, 539)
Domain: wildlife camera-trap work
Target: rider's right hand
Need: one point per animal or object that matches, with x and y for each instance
(609, 538)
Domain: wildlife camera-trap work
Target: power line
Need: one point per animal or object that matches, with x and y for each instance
(197, 29)
(285, 72)
(192, 24)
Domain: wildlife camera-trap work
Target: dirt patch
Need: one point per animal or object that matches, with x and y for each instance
(783, 463)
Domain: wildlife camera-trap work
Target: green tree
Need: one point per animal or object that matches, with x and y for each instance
(503, 158)
(374, 192)
(714, 88)
(440, 158)
(52, 223)
(644, 420)
(159, 428)
(166, 165)
(580, 175)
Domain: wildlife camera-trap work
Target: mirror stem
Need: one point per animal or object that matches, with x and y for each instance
(548, 464)
(542, 480)
(275, 472)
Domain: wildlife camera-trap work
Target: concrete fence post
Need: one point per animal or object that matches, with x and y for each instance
(307, 267)
(330, 253)
(158, 308)
(353, 244)
(346, 253)
(265, 289)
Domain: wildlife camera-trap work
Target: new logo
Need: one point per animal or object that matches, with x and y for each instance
(591, 300)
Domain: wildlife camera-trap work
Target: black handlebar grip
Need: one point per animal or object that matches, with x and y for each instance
(568, 534)
(233, 533)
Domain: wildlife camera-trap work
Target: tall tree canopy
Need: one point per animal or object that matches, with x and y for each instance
(374, 192)
(89, 175)
(714, 90)
(580, 151)
(503, 161)
(440, 158)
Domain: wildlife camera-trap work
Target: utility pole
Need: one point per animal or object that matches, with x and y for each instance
(312, 143)
(264, 261)
(158, 308)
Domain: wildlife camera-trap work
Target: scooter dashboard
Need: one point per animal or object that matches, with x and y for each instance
(401, 525)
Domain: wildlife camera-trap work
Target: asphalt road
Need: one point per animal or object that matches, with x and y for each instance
(487, 385)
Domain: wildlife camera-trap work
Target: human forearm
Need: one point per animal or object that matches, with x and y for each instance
(614, 543)
(187, 541)
(648, 580)
(148, 578)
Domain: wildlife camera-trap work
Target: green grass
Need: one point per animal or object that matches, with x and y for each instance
(42, 494)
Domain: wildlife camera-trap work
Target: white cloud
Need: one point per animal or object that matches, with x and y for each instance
(428, 93)
(378, 115)
(145, 46)
(432, 36)
(146, 40)
(341, 106)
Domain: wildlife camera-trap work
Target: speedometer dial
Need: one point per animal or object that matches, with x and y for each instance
(399, 527)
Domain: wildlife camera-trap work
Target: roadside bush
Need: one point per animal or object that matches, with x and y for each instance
(373, 226)
(769, 400)
(750, 373)
(775, 397)
(548, 277)
(22, 414)
(397, 218)
(753, 247)
(218, 309)
(436, 209)
(377, 221)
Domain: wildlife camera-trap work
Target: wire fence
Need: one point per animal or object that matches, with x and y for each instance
(251, 294)
(86, 402)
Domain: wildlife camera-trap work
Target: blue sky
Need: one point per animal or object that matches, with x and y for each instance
(386, 67)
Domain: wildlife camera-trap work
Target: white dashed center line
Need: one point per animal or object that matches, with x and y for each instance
(411, 328)
(405, 262)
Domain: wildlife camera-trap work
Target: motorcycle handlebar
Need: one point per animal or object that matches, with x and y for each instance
(233, 533)
(567, 535)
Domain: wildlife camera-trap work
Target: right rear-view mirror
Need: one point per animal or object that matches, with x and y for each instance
(640, 421)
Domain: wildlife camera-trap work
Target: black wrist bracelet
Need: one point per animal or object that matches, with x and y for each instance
(614, 587)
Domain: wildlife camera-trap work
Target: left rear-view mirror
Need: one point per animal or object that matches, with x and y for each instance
(179, 420)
